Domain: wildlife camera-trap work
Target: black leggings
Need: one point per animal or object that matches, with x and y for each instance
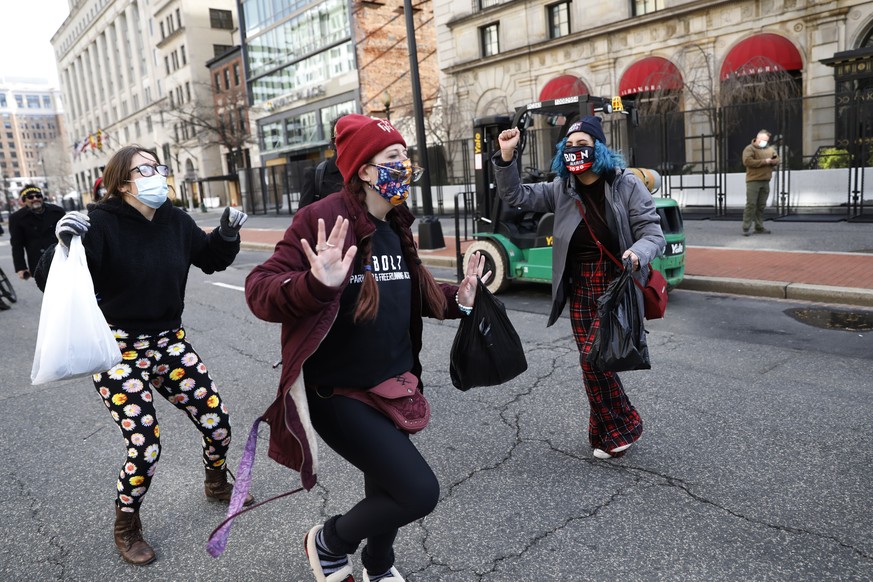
(399, 485)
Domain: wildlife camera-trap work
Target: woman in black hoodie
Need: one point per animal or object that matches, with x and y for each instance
(139, 249)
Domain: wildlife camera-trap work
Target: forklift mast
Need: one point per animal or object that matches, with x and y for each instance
(485, 132)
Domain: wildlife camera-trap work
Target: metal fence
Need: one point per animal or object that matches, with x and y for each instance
(825, 144)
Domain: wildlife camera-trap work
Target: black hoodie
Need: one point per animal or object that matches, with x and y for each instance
(140, 266)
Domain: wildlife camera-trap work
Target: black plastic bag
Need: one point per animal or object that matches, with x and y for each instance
(620, 341)
(487, 350)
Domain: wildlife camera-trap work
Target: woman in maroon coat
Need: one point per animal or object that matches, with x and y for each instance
(351, 303)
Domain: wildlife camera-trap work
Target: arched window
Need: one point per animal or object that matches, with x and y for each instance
(655, 85)
(761, 88)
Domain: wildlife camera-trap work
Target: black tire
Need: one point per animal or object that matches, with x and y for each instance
(6, 289)
(495, 261)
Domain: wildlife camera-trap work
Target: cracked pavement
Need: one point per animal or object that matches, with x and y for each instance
(755, 462)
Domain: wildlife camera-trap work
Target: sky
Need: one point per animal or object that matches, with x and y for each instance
(26, 30)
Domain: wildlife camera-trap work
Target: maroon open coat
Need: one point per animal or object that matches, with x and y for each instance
(283, 290)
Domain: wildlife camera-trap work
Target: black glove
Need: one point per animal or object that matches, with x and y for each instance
(73, 223)
(231, 221)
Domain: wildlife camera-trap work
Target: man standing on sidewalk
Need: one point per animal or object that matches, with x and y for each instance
(758, 158)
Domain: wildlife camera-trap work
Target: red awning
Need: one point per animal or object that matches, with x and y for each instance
(650, 74)
(762, 53)
(563, 86)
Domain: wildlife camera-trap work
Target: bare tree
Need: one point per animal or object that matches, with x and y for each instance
(57, 167)
(223, 122)
(759, 80)
(448, 123)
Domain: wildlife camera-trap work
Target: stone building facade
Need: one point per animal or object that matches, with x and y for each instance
(32, 138)
(126, 66)
(500, 54)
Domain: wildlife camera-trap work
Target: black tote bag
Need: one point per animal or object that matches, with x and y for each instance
(620, 341)
(487, 350)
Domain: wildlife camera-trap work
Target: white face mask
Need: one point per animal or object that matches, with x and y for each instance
(152, 191)
(763, 143)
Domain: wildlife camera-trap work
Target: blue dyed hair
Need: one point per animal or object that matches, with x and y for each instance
(605, 159)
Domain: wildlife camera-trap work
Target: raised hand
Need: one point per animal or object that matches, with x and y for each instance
(329, 265)
(467, 288)
(508, 139)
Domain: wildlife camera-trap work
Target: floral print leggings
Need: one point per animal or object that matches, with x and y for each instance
(167, 363)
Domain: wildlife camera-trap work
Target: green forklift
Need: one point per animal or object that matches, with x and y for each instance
(517, 245)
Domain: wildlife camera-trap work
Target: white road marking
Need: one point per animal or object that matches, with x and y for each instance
(226, 286)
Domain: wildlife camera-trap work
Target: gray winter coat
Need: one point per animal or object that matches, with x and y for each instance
(630, 212)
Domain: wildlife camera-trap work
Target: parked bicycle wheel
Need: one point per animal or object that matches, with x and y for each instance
(6, 289)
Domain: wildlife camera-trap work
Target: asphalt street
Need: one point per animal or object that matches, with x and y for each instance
(756, 462)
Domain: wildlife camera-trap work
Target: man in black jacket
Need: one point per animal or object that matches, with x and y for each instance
(322, 179)
(32, 230)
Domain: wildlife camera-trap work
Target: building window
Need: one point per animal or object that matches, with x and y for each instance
(221, 19)
(217, 83)
(647, 6)
(2, 99)
(46, 102)
(184, 58)
(236, 75)
(489, 36)
(559, 19)
(220, 49)
(226, 78)
(488, 3)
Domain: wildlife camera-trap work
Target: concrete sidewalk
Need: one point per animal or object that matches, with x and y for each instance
(820, 262)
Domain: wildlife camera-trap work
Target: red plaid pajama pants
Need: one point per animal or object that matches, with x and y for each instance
(614, 421)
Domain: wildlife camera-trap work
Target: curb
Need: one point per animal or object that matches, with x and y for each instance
(256, 246)
(779, 290)
(748, 287)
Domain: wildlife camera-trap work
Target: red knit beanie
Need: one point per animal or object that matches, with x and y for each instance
(359, 138)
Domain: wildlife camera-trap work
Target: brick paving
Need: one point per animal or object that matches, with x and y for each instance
(853, 270)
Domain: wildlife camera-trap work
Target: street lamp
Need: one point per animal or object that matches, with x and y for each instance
(386, 101)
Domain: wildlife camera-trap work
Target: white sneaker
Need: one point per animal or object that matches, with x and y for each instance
(344, 574)
(394, 577)
(601, 454)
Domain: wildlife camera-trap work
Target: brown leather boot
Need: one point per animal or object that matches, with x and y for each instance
(128, 538)
(218, 488)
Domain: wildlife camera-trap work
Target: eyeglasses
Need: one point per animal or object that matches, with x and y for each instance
(406, 173)
(32, 196)
(147, 170)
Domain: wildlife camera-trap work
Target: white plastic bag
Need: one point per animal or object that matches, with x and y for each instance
(74, 338)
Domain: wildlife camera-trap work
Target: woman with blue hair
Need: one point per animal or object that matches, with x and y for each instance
(619, 214)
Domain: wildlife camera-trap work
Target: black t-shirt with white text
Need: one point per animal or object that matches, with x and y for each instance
(363, 355)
